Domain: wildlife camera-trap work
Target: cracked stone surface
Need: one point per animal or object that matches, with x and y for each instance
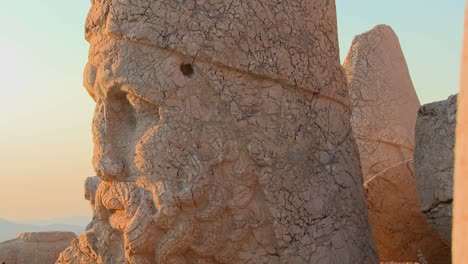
(35, 248)
(90, 188)
(384, 114)
(400, 229)
(221, 135)
(460, 209)
(434, 163)
(399, 263)
(385, 104)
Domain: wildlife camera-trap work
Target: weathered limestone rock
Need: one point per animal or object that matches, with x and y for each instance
(385, 104)
(384, 114)
(434, 163)
(460, 207)
(35, 248)
(222, 135)
(401, 231)
(399, 263)
(90, 189)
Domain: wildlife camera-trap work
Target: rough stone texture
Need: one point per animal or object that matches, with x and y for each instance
(385, 104)
(222, 135)
(434, 163)
(90, 189)
(399, 263)
(401, 231)
(35, 248)
(384, 114)
(460, 207)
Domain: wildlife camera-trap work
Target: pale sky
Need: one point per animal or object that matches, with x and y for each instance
(45, 114)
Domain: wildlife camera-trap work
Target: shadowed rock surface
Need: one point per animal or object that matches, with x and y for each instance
(399, 263)
(400, 230)
(434, 163)
(90, 188)
(35, 248)
(384, 114)
(222, 135)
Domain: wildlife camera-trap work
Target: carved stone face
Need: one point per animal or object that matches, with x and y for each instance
(221, 133)
(158, 124)
(131, 88)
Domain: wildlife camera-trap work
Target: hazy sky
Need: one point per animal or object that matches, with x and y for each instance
(45, 114)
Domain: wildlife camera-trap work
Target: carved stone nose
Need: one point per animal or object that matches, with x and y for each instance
(89, 75)
(109, 151)
(89, 79)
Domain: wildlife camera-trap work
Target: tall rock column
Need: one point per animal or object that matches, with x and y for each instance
(384, 114)
(460, 213)
(385, 104)
(434, 163)
(222, 135)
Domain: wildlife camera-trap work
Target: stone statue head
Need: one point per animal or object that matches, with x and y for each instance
(167, 147)
(210, 137)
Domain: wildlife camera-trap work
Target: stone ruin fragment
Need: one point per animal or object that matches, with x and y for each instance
(385, 104)
(384, 114)
(35, 248)
(434, 163)
(90, 189)
(221, 135)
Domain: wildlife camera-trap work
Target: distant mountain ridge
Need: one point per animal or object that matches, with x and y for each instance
(71, 220)
(9, 229)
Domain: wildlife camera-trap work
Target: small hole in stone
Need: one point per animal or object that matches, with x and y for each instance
(187, 69)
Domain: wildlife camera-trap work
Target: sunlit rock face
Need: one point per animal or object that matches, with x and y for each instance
(384, 114)
(460, 207)
(35, 248)
(385, 104)
(434, 163)
(222, 135)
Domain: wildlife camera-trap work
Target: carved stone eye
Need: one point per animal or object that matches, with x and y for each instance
(142, 106)
(187, 69)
